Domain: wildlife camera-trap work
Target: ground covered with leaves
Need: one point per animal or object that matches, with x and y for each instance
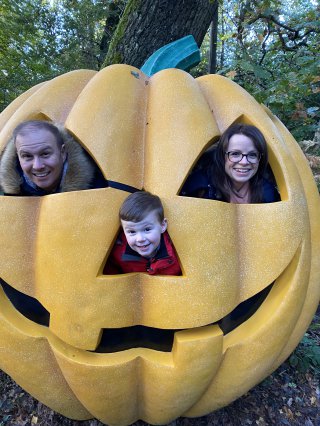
(290, 396)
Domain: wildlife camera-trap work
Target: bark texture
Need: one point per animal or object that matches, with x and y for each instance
(147, 25)
(212, 68)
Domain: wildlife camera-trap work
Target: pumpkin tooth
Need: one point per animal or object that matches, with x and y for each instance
(182, 375)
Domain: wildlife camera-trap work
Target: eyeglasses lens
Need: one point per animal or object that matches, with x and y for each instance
(236, 157)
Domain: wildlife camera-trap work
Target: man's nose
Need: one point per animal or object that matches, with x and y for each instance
(37, 163)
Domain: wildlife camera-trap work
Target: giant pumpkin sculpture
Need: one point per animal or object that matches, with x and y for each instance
(148, 133)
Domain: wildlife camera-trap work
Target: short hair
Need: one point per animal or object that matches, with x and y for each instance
(139, 204)
(26, 126)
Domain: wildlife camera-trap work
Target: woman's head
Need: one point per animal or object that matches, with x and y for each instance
(240, 156)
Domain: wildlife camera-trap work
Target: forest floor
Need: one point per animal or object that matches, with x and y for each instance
(290, 396)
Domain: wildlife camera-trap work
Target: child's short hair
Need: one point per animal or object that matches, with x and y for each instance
(139, 204)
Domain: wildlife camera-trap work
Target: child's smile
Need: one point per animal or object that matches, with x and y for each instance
(144, 237)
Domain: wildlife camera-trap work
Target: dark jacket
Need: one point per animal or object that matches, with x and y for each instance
(81, 172)
(198, 185)
(123, 259)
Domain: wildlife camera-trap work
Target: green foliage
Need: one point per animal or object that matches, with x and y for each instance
(27, 43)
(307, 355)
(42, 39)
(271, 49)
(114, 57)
(86, 28)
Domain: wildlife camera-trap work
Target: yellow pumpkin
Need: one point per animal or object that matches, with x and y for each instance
(148, 133)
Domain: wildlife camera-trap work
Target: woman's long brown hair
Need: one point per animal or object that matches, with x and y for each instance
(217, 175)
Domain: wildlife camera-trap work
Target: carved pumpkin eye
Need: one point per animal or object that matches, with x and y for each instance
(54, 248)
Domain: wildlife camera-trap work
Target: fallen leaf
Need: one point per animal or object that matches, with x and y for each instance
(288, 413)
(231, 74)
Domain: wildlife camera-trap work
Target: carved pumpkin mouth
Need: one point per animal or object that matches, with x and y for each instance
(138, 336)
(197, 356)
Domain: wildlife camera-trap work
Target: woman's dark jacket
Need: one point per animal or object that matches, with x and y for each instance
(198, 183)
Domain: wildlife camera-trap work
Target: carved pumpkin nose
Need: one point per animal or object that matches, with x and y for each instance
(150, 136)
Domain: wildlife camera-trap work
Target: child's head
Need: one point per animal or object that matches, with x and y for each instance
(143, 222)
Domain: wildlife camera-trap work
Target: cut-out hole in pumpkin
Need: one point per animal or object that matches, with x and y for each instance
(134, 262)
(197, 184)
(138, 336)
(202, 179)
(28, 306)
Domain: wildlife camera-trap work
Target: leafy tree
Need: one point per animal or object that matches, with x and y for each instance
(86, 28)
(270, 47)
(27, 43)
(41, 39)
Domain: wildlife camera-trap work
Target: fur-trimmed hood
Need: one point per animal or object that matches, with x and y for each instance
(79, 175)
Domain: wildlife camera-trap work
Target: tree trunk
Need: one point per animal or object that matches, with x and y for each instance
(213, 41)
(115, 9)
(147, 25)
(223, 41)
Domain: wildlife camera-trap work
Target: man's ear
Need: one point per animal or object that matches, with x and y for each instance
(63, 152)
(164, 225)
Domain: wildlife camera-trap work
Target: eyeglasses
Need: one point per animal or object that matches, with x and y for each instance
(237, 156)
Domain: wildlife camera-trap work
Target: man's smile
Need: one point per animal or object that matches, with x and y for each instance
(40, 175)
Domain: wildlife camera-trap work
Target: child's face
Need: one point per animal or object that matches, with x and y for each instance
(144, 236)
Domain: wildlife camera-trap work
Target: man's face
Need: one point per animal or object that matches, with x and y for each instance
(41, 158)
(144, 236)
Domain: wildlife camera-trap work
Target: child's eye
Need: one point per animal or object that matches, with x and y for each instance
(148, 229)
(130, 232)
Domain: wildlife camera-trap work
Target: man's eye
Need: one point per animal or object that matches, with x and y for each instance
(45, 154)
(25, 156)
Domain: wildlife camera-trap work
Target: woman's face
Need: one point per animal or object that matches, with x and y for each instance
(242, 171)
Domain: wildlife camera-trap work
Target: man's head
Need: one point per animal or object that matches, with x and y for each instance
(143, 222)
(41, 153)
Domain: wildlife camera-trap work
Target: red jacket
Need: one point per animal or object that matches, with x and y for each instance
(123, 259)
